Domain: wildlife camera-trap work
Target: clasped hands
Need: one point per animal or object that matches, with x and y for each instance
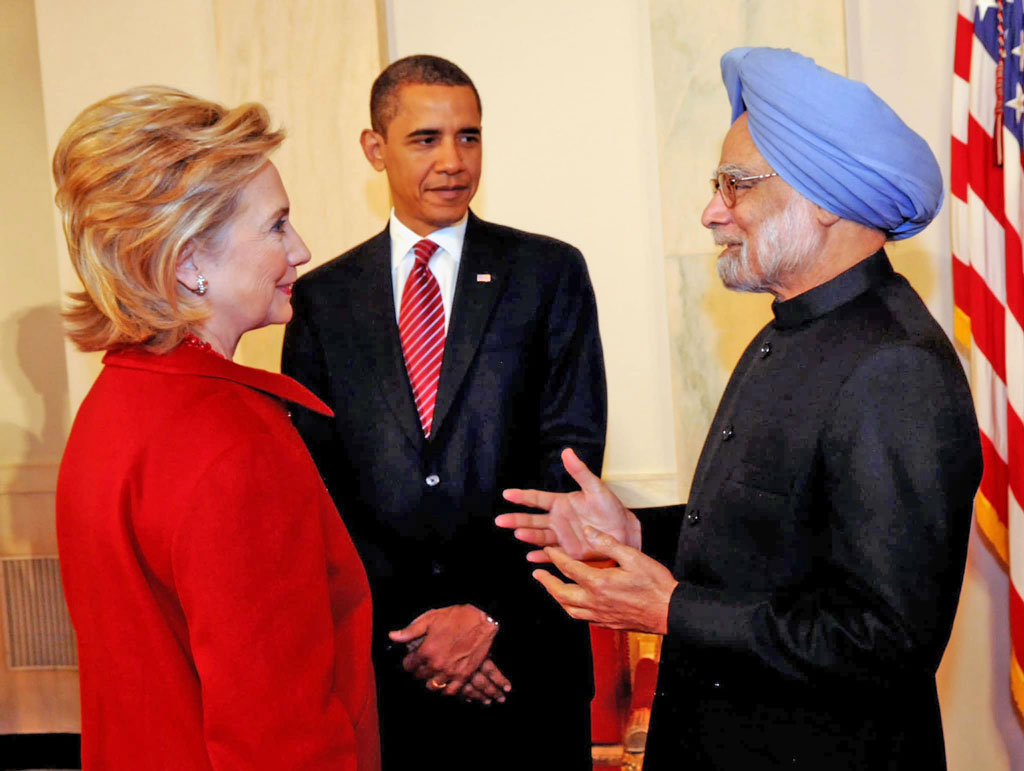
(589, 524)
(448, 648)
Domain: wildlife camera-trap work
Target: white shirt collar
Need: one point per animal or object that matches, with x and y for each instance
(444, 265)
(403, 239)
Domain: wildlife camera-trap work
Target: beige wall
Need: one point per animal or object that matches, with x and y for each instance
(312, 64)
(90, 50)
(33, 385)
(568, 118)
(709, 325)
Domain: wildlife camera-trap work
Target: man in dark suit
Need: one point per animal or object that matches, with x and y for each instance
(807, 590)
(459, 357)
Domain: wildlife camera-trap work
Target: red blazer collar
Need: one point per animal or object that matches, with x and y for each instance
(184, 360)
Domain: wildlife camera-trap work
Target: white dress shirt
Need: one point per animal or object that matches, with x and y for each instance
(444, 264)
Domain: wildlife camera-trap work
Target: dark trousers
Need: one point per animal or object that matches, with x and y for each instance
(534, 729)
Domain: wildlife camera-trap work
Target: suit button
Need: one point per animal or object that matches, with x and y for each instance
(727, 433)
(692, 517)
(766, 350)
(433, 480)
(435, 568)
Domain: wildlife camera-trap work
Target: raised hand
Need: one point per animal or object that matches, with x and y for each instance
(634, 596)
(568, 514)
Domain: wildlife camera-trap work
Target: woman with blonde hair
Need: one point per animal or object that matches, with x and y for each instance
(222, 613)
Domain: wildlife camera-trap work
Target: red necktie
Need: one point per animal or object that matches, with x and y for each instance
(421, 325)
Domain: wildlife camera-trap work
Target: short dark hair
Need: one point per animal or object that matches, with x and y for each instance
(420, 69)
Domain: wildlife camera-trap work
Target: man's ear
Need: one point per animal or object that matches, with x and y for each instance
(824, 217)
(186, 271)
(373, 148)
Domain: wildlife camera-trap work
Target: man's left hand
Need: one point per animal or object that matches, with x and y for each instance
(451, 644)
(633, 596)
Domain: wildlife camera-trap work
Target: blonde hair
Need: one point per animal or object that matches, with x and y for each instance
(141, 176)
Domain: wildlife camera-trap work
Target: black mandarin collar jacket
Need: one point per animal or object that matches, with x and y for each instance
(821, 553)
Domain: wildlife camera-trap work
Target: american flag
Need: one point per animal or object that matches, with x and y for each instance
(988, 278)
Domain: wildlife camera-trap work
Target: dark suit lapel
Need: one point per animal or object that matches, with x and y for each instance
(477, 289)
(383, 344)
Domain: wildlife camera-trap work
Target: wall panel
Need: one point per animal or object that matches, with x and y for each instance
(709, 325)
(568, 119)
(33, 383)
(311, 62)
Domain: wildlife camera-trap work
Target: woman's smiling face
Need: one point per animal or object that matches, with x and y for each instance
(251, 266)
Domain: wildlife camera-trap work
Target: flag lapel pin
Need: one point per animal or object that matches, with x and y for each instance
(483, 278)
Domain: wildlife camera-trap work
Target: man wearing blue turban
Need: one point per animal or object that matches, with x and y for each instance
(807, 590)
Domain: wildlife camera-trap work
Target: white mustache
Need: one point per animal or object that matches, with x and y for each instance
(723, 240)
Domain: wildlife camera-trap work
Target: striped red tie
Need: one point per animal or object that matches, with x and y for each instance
(421, 325)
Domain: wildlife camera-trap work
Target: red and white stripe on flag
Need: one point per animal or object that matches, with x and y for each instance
(988, 278)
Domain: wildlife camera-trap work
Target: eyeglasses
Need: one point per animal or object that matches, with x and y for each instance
(726, 184)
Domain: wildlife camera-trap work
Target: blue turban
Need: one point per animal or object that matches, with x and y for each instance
(834, 140)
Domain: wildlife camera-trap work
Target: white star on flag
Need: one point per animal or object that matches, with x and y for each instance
(1017, 103)
(985, 5)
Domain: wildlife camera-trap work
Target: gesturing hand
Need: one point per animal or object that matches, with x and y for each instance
(452, 644)
(634, 596)
(569, 513)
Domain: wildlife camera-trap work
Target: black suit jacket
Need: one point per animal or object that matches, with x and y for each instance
(522, 378)
(821, 553)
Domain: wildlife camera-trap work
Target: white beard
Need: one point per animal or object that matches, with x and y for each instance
(785, 242)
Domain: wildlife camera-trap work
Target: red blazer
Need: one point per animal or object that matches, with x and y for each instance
(223, 615)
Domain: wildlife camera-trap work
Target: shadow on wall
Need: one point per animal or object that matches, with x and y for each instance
(982, 616)
(989, 566)
(39, 700)
(34, 428)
